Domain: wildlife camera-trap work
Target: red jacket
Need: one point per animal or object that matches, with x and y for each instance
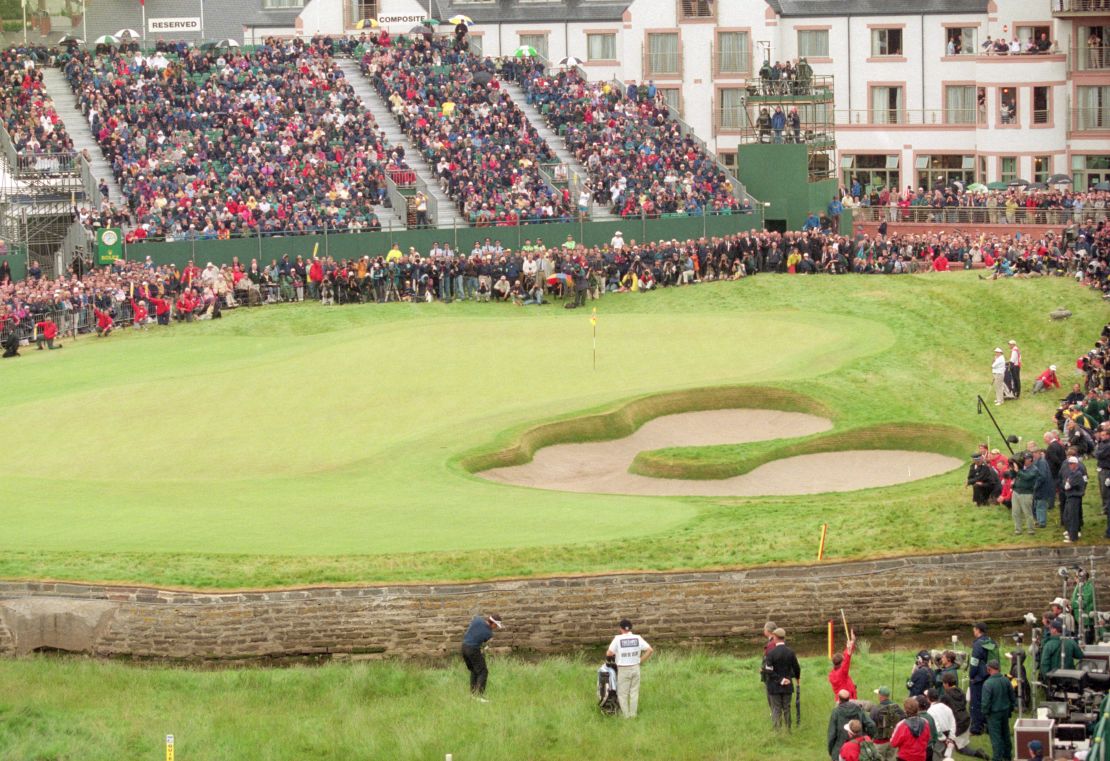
(138, 311)
(1049, 379)
(161, 306)
(48, 328)
(849, 751)
(103, 319)
(840, 679)
(911, 748)
(940, 264)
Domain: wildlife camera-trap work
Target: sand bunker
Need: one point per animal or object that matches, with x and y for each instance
(602, 467)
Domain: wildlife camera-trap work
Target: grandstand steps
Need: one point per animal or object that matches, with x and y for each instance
(448, 214)
(598, 212)
(78, 128)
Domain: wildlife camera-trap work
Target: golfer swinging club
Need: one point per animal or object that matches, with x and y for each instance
(477, 634)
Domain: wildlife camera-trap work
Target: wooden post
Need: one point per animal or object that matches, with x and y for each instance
(821, 546)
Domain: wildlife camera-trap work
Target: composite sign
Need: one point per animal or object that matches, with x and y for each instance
(168, 25)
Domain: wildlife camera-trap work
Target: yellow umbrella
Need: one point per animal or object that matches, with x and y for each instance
(367, 23)
(461, 19)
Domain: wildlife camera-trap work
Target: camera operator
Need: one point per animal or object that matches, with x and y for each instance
(1057, 651)
(1083, 606)
(948, 665)
(983, 649)
(922, 677)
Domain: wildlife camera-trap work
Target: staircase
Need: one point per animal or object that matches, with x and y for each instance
(447, 214)
(78, 128)
(598, 212)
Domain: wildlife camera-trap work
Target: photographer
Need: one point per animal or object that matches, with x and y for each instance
(1057, 652)
(922, 677)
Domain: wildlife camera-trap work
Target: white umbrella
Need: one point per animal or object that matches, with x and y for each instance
(229, 43)
(128, 34)
(106, 39)
(570, 61)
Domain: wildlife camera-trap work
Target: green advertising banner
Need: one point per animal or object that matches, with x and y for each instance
(109, 245)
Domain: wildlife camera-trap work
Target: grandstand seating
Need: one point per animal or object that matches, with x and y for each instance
(218, 143)
(481, 146)
(637, 156)
(28, 112)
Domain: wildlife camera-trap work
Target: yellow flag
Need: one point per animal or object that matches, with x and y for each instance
(593, 317)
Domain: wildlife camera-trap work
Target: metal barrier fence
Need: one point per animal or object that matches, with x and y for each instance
(970, 215)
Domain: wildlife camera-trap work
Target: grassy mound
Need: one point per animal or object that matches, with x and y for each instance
(728, 460)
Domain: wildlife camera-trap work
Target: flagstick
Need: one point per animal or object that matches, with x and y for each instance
(24, 4)
(595, 347)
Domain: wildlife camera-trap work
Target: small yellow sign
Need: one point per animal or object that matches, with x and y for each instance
(169, 747)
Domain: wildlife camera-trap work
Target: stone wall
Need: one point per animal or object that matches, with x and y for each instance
(544, 615)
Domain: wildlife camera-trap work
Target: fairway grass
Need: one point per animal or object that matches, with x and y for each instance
(692, 706)
(306, 445)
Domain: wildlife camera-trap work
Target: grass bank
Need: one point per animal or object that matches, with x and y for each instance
(693, 706)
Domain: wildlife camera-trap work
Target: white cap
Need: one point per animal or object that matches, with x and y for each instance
(1013, 343)
(1059, 602)
(997, 350)
(1052, 368)
(1074, 459)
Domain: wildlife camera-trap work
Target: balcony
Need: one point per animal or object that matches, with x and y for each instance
(817, 88)
(1085, 58)
(928, 117)
(1071, 8)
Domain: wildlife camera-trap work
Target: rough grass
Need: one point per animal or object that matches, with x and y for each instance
(308, 445)
(694, 706)
(728, 460)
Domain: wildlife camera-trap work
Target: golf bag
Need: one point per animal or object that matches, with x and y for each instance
(607, 701)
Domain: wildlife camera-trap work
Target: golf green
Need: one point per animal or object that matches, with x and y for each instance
(217, 454)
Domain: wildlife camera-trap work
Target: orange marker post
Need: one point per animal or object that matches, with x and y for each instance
(830, 638)
(821, 547)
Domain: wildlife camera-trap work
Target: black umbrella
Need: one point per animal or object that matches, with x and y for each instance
(422, 29)
(1018, 183)
(1101, 186)
(1059, 179)
(69, 39)
(1039, 186)
(482, 78)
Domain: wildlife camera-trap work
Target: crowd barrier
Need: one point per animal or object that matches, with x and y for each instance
(971, 215)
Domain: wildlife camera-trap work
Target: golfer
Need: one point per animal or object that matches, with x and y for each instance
(998, 371)
(478, 634)
(629, 650)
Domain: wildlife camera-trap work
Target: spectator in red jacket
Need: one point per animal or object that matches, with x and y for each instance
(104, 323)
(162, 310)
(46, 331)
(940, 263)
(315, 277)
(849, 751)
(911, 736)
(138, 313)
(1046, 380)
(839, 677)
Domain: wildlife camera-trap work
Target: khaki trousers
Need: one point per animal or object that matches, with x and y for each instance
(999, 387)
(628, 690)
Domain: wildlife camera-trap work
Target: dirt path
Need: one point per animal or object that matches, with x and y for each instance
(602, 467)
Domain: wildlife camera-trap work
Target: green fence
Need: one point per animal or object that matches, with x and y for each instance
(348, 245)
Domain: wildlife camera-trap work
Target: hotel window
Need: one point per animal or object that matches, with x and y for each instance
(1042, 168)
(728, 158)
(1007, 169)
(886, 105)
(940, 171)
(662, 54)
(734, 53)
(1087, 171)
(1092, 107)
(960, 104)
(1008, 105)
(672, 96)
(1027, 34)
(874, 171)
(732, 108)
(475, 41)
(886, 42)
(813, 43)
(960, 40)
(277, 5)
(367, 9)
(538, 41)
(601, 47)
(1041, 105)
(695, 9)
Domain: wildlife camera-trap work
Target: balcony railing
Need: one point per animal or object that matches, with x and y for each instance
(1077, 7)
(928, 117)
(968, 215)
(1091, 119)
(1085, 58)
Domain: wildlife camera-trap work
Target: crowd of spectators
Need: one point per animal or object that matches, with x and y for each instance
(28, 111)
(1039, 45)
(482, 148)
(538, 273)
(638, 159)
(1035, 205)
(219, 143)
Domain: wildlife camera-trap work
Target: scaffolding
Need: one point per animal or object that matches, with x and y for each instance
(796, 111)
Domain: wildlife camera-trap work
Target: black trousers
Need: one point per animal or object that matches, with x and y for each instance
(476, 665)
(1073, 516)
